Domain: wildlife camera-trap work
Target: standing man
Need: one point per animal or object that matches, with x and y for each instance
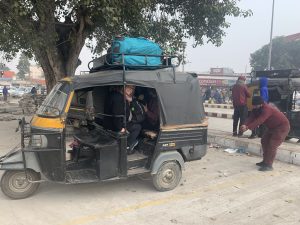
(33, 93)
(5, 93)
(277, 126)
(264, 93)
(240, 94)
(207, 94)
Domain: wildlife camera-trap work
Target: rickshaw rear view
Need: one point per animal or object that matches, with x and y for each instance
(284, 93)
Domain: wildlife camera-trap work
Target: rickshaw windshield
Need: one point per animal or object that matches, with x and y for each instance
(55, 102)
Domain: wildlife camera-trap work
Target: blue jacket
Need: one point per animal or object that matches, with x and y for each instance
(264, 89)
(5, 91)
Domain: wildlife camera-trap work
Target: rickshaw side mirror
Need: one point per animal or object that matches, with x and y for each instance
(63, 117)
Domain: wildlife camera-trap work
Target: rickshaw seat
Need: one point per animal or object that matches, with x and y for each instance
(95, 140)
(150, 134)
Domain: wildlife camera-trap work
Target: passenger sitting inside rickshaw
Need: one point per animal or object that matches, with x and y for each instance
(152, 111)
(134, 115)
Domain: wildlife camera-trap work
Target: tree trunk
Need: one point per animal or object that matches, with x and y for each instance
(61, 60)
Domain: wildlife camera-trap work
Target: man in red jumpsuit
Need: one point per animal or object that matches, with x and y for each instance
(277, 125)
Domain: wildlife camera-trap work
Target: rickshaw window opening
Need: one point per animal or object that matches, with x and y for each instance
(55, 102)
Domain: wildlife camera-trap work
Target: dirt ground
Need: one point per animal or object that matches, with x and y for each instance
(220, 189)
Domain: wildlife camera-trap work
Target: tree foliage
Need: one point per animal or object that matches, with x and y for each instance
(23, 66)
(285, 55)
(54, 31)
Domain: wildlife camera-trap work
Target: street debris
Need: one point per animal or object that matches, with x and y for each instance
(235, 150)
(8, 118)
(214, 145)
(223, 173)
(29, 105)
(174, 221)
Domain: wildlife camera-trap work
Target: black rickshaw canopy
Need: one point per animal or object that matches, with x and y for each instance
(289, 78)
(179, 93)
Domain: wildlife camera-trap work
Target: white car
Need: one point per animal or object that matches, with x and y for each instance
(20, 92)
(12, 91)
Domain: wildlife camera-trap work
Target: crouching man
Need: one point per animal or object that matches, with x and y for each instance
(277, 125)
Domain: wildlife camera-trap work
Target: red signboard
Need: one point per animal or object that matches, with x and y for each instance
(213, 82)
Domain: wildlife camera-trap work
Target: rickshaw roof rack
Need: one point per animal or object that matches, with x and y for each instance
(105, 62)
(286, 73)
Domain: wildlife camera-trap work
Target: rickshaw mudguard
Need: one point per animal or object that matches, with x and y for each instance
(15, 161)
(167, 157)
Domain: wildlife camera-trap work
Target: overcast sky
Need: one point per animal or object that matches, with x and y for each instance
(242, 38)
(245, 36)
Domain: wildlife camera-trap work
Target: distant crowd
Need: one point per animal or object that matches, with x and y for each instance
(217, 95)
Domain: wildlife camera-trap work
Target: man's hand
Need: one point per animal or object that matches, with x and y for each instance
(243, 128)
(145, 108)
(123, 130)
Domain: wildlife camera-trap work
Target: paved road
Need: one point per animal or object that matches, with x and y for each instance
(220, 189)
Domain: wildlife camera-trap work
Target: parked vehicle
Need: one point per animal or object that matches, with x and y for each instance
(284, 88)
(13, 91)
(73, 113)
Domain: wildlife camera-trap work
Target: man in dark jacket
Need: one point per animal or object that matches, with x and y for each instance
(240, 94)
(207, 94)
(115, 106)
(5, 93)
(277, 126)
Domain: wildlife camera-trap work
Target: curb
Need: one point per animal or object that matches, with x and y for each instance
(222, 106)
(219, 115)
(284, 154)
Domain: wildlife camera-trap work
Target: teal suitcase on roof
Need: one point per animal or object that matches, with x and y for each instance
(137, 52)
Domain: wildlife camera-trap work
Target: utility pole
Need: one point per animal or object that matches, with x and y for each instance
(271, 35)
(183, 57)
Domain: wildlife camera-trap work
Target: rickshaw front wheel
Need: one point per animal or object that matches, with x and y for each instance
(168, 176)
(16, 184)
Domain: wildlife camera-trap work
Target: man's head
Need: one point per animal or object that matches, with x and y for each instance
(241, 80)
(129, 90)
(257, 103)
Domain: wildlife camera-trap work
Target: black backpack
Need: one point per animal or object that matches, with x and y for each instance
(137, 110)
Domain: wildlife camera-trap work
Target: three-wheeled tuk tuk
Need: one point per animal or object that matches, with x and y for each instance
(66, 140)
(284, 89)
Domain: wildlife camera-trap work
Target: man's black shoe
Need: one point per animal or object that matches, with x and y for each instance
(266, 168)
(130, 149)
(261, 164)
(234, 135)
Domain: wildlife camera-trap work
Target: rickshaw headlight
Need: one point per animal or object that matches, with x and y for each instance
(39, 141)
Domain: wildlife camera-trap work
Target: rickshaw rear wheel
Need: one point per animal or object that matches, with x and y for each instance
(167, 177)
(16, 184)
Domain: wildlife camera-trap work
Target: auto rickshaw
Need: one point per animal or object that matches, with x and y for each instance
(66, 141)
(284, 89)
